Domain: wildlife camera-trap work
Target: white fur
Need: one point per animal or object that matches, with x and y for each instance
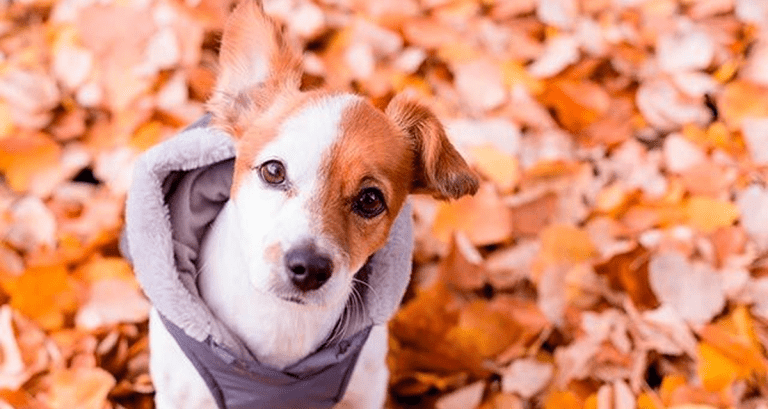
(246, 290)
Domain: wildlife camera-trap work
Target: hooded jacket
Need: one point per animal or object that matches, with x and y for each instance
(178, 188)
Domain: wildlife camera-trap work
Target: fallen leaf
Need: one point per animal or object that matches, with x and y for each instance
(666, 109)
(755, 131)
(680, 154)
(752, 203)
(85, 388)
(484, 218)
(479, 84)
(462, 266)
(499, 167)
(708, 215)
(13, 372)
(740, 100)
(25, 155)
(112, 301)
(576, 104)
(559, 53)
(628, 272)
(49, 283)
(693, 289)
(563, 243)
(689, 48)
(466, 397)
(526, 377)
(558, 13)
(716, 370)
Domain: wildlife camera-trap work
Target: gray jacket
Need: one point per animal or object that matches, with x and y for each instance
(178, 188)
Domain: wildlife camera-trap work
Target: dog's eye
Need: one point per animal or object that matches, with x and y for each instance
(369, 203)
(272, 172)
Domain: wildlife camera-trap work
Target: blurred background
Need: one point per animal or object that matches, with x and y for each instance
(614, 257)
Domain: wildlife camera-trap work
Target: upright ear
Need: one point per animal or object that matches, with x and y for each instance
(256, 63)
(439, 169)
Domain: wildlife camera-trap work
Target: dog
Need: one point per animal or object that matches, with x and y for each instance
(319, 178)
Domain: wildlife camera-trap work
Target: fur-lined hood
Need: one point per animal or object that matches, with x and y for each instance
(178, 188)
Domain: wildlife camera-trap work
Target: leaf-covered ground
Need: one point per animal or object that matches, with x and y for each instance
(616, 255)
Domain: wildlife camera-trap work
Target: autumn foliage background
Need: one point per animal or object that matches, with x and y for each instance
(614, 257)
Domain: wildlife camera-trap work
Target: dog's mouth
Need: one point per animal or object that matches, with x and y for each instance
(293, 299)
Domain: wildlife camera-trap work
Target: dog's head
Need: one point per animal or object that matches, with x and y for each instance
(319, 176)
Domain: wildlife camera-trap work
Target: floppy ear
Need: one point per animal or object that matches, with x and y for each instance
(439, 169)
(256, 64)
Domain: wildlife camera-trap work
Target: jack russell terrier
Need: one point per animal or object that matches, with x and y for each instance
(273, 238)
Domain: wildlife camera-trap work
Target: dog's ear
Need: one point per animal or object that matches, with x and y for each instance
(439, 169)
(256, 63)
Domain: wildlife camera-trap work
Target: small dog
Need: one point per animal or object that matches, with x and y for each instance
(319, 178)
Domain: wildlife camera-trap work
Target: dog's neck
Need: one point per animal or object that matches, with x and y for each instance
(277, 332)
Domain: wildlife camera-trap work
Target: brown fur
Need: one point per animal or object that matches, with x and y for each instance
(404, 151)
(440, 170)
(370, 152)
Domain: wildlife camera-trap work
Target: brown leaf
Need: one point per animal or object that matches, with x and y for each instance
(628, 272)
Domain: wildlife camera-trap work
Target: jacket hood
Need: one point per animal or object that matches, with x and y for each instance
(178, 188)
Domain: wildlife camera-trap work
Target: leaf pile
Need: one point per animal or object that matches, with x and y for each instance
(614, 257)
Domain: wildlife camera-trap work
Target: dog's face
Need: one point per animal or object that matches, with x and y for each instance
(320, 177)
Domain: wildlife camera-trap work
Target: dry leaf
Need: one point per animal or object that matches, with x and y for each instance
(689, 48)
(708, 215)
(44, 294)
(484, 218)
(563, 243)
(559, 53)
(500, 168)
(694, 290)
(112, 301)
(526, 377)
(680, 154)
(755, 131)
(740, 100)
(466, 397)
(577, 104)
(480, 85)
(85, 388)
(12, 369)
(752, 203)
(664, 108)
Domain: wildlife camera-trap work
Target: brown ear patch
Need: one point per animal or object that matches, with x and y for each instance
(440, 170)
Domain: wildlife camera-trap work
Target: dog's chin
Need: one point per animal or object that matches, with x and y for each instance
(322, 298)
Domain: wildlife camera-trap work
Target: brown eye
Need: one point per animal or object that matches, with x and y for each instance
(369, 203)
(272, 172)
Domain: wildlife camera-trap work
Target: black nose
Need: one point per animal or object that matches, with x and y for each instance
(309, 269)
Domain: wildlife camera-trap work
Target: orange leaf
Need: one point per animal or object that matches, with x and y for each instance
(734, 337)
(562, 400)
(499, 167)
(84, 388)
(6, 120)
(44, 294)
(25, 155)
(484, 218)
(741, 99)
(716, 370)
(100, 268)
(708, 214)
(577, 104)
(561, 242)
